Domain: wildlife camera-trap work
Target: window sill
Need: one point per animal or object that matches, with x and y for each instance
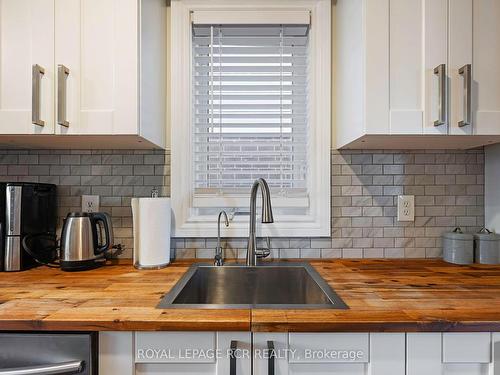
(283, 226)
(242, 201)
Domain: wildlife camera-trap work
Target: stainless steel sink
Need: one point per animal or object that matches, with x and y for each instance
(268, 286)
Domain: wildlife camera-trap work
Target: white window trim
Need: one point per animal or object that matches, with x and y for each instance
(317, 223)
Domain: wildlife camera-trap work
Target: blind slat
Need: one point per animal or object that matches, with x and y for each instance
(207, 50)
(229, 108)
(250, 69)
(249, 117)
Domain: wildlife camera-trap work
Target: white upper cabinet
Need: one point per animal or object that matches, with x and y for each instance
(459, 66)
(486, 67)
(405, 66)
(97, 45)
(410, 68)
(104, 65)
(26, 66)
(361, 69)
(435, 49)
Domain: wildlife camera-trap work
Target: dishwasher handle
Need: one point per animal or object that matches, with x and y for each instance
(66, 368)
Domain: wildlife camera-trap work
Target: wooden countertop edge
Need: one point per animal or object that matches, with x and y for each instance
(431, 326)
(353, 326)
(101, 326)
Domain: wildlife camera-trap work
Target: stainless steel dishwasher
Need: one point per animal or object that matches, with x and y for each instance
(48, 353)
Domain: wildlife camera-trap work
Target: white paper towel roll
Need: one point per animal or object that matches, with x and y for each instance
(151, 220)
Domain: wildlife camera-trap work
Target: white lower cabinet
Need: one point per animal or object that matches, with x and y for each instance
(196, 353)
(116, 353)
(496, 353)
(246, 353)
(329, 353)
(452, 353)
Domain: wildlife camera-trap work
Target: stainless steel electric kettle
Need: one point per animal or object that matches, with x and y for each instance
(84, 239)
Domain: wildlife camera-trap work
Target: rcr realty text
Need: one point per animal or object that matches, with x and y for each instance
(158, 354)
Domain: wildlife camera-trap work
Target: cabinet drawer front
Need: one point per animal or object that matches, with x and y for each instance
(175, 347)
(467, 347)
(328, 347)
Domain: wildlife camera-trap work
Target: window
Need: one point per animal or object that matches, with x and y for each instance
(250, 98)
(250, 108)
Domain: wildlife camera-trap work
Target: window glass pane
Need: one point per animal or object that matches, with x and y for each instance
(250, 107)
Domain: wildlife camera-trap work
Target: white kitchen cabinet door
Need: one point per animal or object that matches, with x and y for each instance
(406, 53)
(449, 353)
(435, 66)
(459, 58)
(26, 39)
(361, 69)
(97, 43)
(418, 54)
(304, 353)
(486, 67)
(496, 352)
(195, 353)
(116, 353)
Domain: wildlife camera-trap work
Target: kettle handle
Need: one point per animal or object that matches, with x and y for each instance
(100, 217)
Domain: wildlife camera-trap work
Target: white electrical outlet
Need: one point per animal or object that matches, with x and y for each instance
(406, 208)
(90, 203)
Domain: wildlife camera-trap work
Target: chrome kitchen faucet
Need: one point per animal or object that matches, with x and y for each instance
(219, 259)
(267, 217)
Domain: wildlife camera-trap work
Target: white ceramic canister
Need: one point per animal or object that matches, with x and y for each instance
(458, 247)
(487, 247)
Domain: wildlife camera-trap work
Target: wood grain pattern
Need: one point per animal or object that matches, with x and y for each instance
(398, 296)
(110, 298)
(383, 296)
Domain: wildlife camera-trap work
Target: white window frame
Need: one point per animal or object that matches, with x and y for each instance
(317, 222)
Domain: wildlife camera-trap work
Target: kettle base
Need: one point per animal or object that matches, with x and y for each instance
(80, 265)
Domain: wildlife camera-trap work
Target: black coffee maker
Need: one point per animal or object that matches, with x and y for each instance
(28, 213)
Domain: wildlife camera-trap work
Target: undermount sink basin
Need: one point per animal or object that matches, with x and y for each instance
(268, 286)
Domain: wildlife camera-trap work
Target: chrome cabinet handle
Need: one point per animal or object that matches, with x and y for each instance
(37, 73)
(62, 76)
(272, 355)
(466, 72)
(232, 358)
(74, 367)
(440, 71)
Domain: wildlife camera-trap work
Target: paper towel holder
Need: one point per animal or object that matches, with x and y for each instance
(146, 246)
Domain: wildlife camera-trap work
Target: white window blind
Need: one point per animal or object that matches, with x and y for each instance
(250, 115)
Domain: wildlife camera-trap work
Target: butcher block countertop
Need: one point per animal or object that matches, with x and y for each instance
(382, 295)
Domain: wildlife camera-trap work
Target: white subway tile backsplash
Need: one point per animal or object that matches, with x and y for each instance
(331, 253)
(448, 188)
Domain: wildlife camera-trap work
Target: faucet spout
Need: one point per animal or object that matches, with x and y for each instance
(267, 217)
(219, 259)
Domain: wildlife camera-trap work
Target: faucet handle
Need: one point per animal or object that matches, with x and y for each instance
(264, 252)
(218, 259)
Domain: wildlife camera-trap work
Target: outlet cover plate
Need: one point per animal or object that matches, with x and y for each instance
(406, 208)
(90, 203)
